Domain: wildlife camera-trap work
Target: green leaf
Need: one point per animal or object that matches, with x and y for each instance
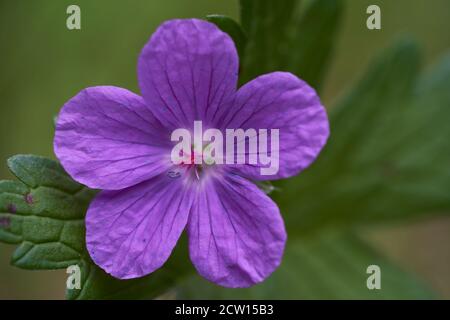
(37, 171)
(330, 266)
(233, 29)
(44, 215)
(268, 27)
(288, 36)
(312, 44)
(388, 153)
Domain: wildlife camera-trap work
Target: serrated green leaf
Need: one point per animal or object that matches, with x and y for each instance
(44, 214)
(289, 36)
(233, 29)
(37, 171)
(44, 256)
(329, 266)
(388, 154)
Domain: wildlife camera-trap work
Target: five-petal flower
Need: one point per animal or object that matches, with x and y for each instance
(112, 139)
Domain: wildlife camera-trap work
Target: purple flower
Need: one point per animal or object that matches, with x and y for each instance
(112, 139)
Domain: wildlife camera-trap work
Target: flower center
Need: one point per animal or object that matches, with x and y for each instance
(193, 164)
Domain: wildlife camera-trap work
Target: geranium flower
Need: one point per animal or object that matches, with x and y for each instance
(112, 139)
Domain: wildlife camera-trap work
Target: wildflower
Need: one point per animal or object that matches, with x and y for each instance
(112, 139)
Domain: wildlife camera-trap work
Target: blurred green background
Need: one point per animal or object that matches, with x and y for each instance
(43, 64)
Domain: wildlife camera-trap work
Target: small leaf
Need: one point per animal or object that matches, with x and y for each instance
(233, 29)
(329, 266)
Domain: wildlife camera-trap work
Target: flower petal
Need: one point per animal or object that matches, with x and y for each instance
(236, 233)
(131, 232)
(281, 101)
(106, 138)
(186, 71)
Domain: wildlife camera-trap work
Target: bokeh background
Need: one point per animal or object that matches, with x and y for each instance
(43, 64)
